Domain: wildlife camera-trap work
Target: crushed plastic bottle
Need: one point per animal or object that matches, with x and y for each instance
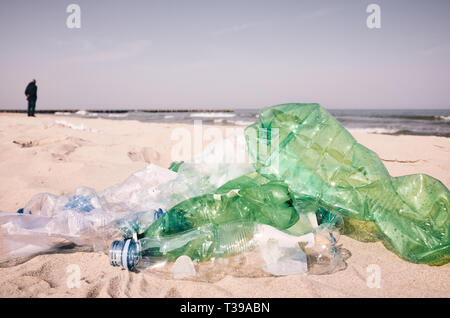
(324, 167)
(270, 203)
(45, 204)
(48, 222)
(81, 203)
(280, 253)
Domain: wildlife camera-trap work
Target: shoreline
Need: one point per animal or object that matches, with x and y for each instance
(210, 120)
(113, 111)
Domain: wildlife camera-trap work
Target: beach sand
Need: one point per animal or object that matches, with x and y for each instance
(40, 155)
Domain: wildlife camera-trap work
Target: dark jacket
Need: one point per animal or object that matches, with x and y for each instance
(31, 91)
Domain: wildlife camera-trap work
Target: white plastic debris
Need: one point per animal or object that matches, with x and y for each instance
(183, 267)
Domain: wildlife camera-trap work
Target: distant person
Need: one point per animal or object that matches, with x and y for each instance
(31, 93)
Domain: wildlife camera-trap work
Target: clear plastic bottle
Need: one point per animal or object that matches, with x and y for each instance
(280, 253)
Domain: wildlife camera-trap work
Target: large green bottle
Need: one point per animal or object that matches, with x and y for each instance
(266, 202)
(324, 166)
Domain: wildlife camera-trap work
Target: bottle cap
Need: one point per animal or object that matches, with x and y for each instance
(126, 254)
(157, 213)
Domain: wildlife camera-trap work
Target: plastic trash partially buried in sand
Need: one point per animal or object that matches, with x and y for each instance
(129, 210)
(183, 267)
(244, 213)
(324, 167)
(309, 172)
(88, 218)
(48, 222)
(277, 252)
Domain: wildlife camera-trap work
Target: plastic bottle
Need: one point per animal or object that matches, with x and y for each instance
(282, 253)
(269, 203)
(199, 244)
(324, 167)
(86, 217)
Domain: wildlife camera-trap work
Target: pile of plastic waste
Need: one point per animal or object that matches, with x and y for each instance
(282, 214)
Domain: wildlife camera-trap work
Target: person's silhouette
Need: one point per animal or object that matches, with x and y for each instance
(31, 93)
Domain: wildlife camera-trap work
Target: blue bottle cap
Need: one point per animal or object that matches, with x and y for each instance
(158, 213)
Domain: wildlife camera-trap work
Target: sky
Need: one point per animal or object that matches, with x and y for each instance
(225, 54)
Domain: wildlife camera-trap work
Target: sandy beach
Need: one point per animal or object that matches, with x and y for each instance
(56, 155)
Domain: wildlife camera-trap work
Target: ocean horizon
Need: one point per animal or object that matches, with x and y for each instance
(423, 122)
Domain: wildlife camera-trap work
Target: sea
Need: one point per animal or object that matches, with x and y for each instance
(427, 122)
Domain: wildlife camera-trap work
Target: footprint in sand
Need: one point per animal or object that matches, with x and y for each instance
(94, 291)
(44, 276)
(114, 287)
(146, 154)
(59, 149)
(172, 293)
(61, 152)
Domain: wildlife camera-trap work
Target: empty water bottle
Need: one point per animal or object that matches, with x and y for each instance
(269, 203)
(281, 253)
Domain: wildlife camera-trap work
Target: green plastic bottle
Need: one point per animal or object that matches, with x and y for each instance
(270, 203)
(280, 253)
(324, 167)
(199, 244)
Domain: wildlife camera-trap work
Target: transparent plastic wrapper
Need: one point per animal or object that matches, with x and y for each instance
(238, 248)
(324, 167)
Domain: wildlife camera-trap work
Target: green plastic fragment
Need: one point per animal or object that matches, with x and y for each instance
(175, 165)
